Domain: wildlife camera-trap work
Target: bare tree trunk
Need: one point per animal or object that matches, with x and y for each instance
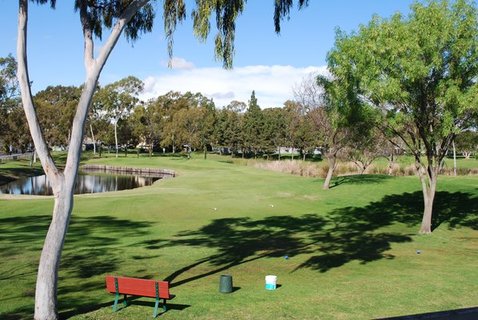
(391, 162)
(454, 159)
(332, 161)
(93, 138)
(116, 137)
(62, 183)
(428, 178)
(46, 286)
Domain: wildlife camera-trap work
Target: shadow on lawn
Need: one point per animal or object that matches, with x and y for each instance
(86, 257)
(358, 179)
(334, 239)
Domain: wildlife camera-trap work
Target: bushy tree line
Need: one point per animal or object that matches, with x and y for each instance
(177, 121)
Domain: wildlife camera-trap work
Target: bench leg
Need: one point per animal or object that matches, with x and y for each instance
(165, 307)
(125, 301)
(156, 305)
(115, 305)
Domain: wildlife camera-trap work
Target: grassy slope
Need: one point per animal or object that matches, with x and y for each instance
(352, 250)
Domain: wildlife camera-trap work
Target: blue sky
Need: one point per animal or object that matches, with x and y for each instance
(268, 63)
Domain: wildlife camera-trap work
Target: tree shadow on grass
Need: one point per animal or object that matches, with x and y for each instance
(87, 256)
(331, 240)
(359, 179)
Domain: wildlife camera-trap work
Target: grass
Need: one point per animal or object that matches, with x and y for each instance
(352, 250)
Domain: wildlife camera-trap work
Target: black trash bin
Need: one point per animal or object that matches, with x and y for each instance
(225, 283)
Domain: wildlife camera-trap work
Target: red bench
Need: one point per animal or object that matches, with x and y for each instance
(138, 287)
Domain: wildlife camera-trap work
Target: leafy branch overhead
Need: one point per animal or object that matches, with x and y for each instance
(98, 14)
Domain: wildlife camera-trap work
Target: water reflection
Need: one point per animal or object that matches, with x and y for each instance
(85, 183)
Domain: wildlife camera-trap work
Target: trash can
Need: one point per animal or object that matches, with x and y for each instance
(225, 283)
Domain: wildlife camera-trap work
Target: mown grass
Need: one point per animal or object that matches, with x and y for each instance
(352, 250)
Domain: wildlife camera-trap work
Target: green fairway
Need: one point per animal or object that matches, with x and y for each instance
(353, 251)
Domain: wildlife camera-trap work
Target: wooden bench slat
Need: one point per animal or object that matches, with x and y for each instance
(138, 287)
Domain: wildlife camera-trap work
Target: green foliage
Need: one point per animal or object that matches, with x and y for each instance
(56, 108)
(467, 143)
(98, 15)
(8, 82)
(118, 99)
(9, 103)
(274, 129)
(182, 119)
(420, 70)
(15, 130)
(252, 126)
(228, 131)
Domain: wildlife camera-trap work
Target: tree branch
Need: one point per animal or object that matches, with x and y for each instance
(24, 81)
(93, 68)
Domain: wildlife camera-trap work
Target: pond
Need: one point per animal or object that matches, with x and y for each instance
(90, 182)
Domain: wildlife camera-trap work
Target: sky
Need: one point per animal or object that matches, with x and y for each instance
(272, 65)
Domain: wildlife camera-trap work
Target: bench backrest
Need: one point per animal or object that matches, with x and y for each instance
(138, 287)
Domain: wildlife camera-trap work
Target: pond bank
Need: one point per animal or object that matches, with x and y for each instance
(152, 172)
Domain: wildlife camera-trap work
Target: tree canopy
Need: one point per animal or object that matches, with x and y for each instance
(420, 72)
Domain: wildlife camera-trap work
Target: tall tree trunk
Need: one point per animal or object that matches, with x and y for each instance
(116, 137)
(454, 158)
(46, 286)
(332, 161)
(428, 178)
(391, 162)
(93, 138)
(62, 183)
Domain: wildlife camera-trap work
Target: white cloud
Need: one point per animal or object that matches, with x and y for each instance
(179, 64)
(273, 84)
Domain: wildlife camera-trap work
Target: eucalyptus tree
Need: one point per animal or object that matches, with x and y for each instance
(118, 99)
(148, 122)
(420, 71)
(9, 90)
(9, 95)
(467, 143)
(207, 122)
(274, 129)
(228, 129)
(131, 18)
(55, 107)
(15, 130)
(294, 113)
(172, 104)
(188, 119)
